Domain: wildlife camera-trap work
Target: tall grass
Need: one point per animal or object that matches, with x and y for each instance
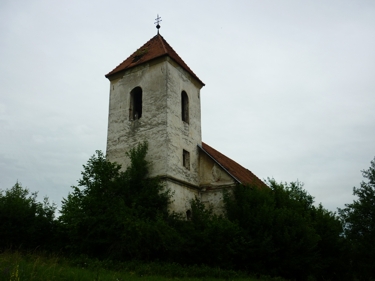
(16, 266)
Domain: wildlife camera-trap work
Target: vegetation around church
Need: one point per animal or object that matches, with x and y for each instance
(119, 220)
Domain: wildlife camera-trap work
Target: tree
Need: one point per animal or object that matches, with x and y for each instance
(118, 214)
(24, 222)
(280, 239)
(284, 234)
(359, 225)
(332, 247)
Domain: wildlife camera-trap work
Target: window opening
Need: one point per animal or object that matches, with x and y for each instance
(186, 159)
(184, 107)
(188, 215)
(135, 109)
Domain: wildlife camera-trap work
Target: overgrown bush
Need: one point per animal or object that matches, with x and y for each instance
(207, 239)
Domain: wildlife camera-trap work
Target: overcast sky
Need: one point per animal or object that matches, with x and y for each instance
(290, 85)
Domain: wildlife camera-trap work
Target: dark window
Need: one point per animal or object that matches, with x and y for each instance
(135, 108)
(188, 214)
(186, 159)
(184, 107)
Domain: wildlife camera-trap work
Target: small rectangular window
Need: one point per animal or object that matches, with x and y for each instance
(186, 159)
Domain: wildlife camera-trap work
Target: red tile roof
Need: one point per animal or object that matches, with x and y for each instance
(241, 174)
(156, 47)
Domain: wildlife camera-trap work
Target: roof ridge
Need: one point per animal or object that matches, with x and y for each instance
(162, 40)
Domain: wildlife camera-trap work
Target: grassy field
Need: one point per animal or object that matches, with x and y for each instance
(15, 266)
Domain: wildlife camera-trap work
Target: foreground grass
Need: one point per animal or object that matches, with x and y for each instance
(15, 266)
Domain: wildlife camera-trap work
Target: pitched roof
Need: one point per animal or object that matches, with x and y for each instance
(156, 47)
(239, 173)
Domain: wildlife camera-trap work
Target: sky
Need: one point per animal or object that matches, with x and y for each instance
(289, 94)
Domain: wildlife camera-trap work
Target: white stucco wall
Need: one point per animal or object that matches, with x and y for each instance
(182, 135)
(123, 133)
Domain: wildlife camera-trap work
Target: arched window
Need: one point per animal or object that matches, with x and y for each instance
(135, 107)
(188, 215)
(184, 107)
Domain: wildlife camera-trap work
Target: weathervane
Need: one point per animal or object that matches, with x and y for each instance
(158, 20)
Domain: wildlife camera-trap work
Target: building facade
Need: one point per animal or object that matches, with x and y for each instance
(155, 97)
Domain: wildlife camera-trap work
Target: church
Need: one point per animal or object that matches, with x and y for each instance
(155, 97)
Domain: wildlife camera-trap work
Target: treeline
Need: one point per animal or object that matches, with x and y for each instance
(123, 215)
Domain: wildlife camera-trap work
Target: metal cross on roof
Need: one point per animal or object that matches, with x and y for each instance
(158, 20)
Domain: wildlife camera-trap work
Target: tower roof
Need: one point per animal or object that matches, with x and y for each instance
(155, 48)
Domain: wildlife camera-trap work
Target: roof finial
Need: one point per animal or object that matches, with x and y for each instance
(158, 20)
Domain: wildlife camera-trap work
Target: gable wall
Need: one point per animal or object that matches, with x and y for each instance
(213, 181)
(211, 174)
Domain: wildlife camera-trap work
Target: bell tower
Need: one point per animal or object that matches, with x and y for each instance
(155, 97)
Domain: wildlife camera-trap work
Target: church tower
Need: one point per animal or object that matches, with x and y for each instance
(155, 97)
